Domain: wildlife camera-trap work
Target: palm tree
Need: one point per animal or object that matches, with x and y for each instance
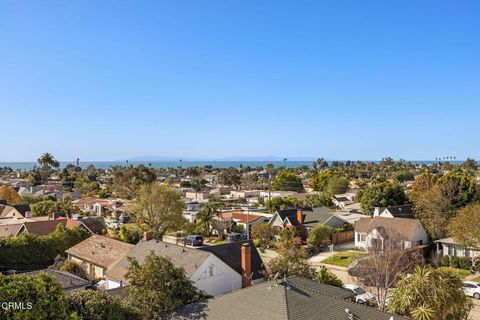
(47, 161)
(207, 214)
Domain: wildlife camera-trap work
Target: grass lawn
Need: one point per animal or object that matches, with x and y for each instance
(343, 258)
(461, 273)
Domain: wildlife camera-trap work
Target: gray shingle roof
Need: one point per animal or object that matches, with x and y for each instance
(301, 299)
(230, 253)
(66, 279)
(187, 258)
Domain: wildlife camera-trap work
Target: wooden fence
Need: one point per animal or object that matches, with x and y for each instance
(343, 237)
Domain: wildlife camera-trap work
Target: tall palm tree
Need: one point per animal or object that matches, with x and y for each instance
(47, 161)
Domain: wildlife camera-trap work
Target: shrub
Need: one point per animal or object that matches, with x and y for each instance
(445, 261)
(74, 268)
(36, 252)
(454, 262)
(465, 263)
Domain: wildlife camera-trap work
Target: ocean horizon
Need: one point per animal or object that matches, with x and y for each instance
(187, 163)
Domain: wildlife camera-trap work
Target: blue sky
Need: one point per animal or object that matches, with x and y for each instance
(108, 80)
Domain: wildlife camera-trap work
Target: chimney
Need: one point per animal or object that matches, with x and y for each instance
(28, 214)
(246, 255)
(56, 215)
(147, 235)
(376, 211)
(299, 216)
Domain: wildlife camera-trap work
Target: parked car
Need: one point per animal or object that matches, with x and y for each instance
(471, 289)
(232, 237)
(194, 240)
(114, 224)
(361, 296)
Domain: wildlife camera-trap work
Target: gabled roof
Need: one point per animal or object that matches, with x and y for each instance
(21, 209)
(66, 279)
(403, 211)
(187, 258)
(298, 299)
(230, 253)
(94, 225)
(394, 228)
(241, 217)
(102, 251)
(43, 227)
(10, 229)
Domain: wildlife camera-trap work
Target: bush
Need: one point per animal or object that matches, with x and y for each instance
(36, 252)
(320, 236)
(130, 233)
(454, 262)
(465, 263)
(445, 261)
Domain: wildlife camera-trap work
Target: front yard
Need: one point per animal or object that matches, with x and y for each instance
(343, 258)
(460, 272)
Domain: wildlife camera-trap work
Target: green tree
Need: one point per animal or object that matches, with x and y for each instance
(287, 180)
(337, 185)
(404, 175)
(326, 277)
(381, 194)
(160, 207)
(127, 181)
(278, 203)
(97, 305)
(462, 185)
(164, 286)
(206, 216)
(43, 208)
(317, 200)
(230, 177)
(319, 237)
(47, 161)
(464, 228)
(430, 294)
(41, 292)
(435, 208)
(131, 233)
(263, 233)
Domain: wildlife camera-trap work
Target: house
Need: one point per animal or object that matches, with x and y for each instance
(10, 230)
(42, 227)
(197, 195)
(449, 247)
(276, 194)
(94, 225)
(16, 211)
(69, 282)
(243, 219)
(98, 254)
(305, 220)
(403, 211)
(243, 194)
(214, 270)
(346, 201)
(292, 298)
(376, 231)
(101, 207)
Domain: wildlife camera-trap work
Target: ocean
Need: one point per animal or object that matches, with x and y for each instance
(184, 164)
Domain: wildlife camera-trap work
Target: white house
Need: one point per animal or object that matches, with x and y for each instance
(377, 231)
(213, 269)
(449, 247)
(402, 211)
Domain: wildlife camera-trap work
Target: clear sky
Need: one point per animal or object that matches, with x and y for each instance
(111, 80)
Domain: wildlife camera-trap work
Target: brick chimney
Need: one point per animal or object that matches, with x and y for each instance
(299, 216)
(246, 254)
(147, 235)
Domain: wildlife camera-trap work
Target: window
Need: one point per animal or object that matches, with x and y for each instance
(363, 237)
(451, 250)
